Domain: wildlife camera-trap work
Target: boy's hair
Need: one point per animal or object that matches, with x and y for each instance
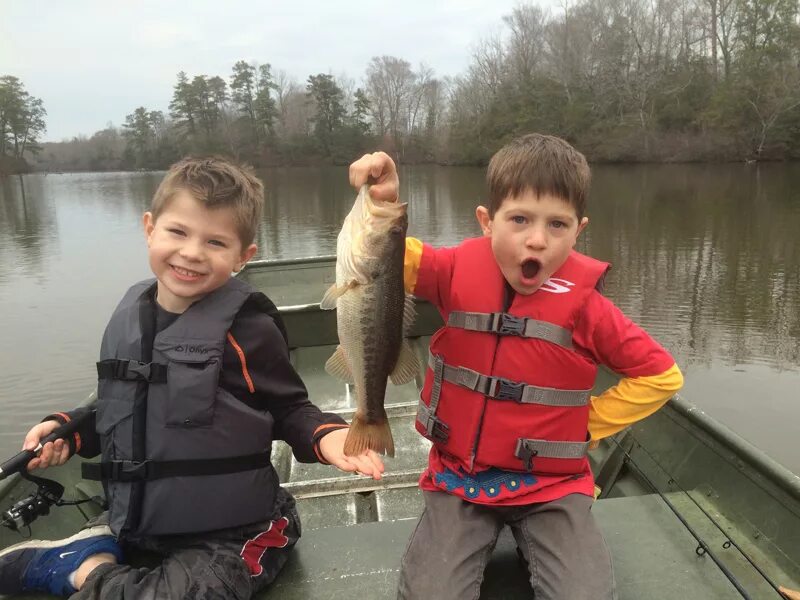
(543, 164)
(215, 182)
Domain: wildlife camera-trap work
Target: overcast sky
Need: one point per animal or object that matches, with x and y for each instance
(93, 62)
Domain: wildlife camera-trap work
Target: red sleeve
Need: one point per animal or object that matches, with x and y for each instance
(434, 275)
(615, 341)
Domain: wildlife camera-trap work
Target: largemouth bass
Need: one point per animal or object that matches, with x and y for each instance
(373, 313)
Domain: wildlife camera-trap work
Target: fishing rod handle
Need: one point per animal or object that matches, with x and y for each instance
(18, 462)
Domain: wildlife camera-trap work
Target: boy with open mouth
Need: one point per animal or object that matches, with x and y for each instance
(507, 397)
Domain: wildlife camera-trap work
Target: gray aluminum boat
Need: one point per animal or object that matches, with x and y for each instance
(689, 509)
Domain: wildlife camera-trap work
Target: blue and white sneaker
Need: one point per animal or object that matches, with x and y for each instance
(45, 565)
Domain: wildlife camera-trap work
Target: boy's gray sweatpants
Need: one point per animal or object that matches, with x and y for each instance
(227, 564)
(566, 554)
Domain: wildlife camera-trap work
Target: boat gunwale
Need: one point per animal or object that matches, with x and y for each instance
(263, 263)
(764, 465)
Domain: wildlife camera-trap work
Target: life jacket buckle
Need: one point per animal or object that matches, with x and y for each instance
(131, 370)
(504, 389)
(525, 453)
(509, 324)
(436, 430)
(129, 470)
(140, 369)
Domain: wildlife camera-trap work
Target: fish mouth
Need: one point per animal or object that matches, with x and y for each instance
(530, 268)
(381, 208)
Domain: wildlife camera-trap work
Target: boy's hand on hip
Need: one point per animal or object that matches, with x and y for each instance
(332, 449)
(378, 170)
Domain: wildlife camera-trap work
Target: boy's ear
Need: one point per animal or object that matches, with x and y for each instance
(582, 225)
(247, 254)
(484, 220)
(149, 224)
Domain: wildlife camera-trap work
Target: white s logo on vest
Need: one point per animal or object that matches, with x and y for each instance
(555, 285)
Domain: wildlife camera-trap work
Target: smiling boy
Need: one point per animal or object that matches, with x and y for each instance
(507, 396)
(194, 383)
(192, 249)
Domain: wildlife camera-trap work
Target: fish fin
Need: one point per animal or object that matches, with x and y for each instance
(369, 436)
(338, 367)
(409, 314)
(407, 366)
(335, 292)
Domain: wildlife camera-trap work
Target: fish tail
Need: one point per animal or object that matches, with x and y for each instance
(368, 436)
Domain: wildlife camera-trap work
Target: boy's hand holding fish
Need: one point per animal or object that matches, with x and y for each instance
(332, 449)
(378, 170)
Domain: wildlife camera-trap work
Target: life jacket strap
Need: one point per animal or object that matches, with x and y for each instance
(500, 388)
(435, 428)
(528, 449)
(131, 370)
(146, 470)
(506, 324)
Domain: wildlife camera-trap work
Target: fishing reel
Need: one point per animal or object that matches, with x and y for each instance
(48, 493)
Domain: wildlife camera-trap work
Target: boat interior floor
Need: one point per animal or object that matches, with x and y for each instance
(653, 556)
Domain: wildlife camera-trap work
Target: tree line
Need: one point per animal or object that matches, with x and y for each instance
(624, 80)
(21, 123)
(639, 80)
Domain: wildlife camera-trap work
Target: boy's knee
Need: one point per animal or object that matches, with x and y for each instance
(226, 576)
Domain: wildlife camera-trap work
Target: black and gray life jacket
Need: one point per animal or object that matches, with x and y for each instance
(179, 454)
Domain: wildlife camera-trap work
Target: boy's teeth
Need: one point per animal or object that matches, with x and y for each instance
(185, 271)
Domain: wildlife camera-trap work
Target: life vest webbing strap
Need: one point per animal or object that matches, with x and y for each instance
(435, 428)
(146, 470)
(131, 370)
(528, 449)
(500, 388)
(506, 324)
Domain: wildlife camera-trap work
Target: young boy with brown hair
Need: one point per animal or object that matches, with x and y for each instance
(194, 384)
(506, 400)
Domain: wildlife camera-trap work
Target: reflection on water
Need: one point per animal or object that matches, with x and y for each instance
(707, 258)
(25, 222)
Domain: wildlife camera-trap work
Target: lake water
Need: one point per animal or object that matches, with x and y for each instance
(706, 258)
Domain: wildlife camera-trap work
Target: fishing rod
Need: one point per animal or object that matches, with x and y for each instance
(19, 462)
(48, 492)
(729, 541)
(702, 547)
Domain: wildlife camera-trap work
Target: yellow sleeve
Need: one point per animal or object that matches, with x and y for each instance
(413, 257)
(631, 400)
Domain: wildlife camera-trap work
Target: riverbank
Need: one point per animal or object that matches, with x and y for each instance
(300, 165)
(13, 166)
(618, 145)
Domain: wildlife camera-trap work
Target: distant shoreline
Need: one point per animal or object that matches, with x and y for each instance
(34, 171)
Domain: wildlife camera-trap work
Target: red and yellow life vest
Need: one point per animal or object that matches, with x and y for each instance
(506, 388)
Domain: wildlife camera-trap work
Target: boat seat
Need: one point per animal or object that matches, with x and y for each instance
(653, 555)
